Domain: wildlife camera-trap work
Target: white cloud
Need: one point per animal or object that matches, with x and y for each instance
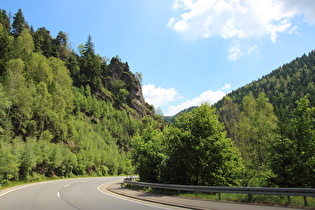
(230, 18)
(304, 7)
(208, 96)
(235, 52)
(239, 19)
(225, 87)
(240, 49)
(158, 96)
(294, 30)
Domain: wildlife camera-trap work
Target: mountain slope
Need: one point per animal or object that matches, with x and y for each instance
(63, 113)
(283, 86)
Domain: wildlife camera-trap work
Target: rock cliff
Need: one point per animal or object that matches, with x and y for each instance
(122, 88)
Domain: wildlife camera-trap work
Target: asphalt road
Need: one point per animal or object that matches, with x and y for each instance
(67, 194)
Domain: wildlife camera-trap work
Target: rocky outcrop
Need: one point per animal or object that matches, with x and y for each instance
(124, 87)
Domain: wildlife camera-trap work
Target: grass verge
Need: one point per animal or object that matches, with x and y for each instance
(268, 200)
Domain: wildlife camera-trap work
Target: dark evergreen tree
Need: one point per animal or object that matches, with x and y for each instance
(60, 46)
(90, 70)
(5, 21)
(43, 42)
(18, 23)
(4, 48)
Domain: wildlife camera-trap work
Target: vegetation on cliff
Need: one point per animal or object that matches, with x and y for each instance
(63, 113)
(269, 121)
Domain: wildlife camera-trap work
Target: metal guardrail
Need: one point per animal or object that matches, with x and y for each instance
(131, 178)
(304, 192)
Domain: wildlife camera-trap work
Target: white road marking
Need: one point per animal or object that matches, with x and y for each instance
(58, 194)
(130, 200)
(19, 187)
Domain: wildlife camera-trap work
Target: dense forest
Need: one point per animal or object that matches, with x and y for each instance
(283, 86)
(290, 139)
(64, 113)
(267, 126)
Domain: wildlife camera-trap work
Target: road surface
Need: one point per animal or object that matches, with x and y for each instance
(67, 194)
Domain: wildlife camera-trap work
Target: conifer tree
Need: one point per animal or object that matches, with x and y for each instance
(5, 21)
(18, 23)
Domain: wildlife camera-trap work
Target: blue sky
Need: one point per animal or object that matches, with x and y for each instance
(188, 51)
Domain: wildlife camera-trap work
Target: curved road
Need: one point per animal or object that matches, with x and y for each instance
(67, 194)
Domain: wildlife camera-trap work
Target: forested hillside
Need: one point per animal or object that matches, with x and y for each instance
(283, 86)
(262, 134)
(69, 113)
(171, 119)
(271, 121)
(63, 113)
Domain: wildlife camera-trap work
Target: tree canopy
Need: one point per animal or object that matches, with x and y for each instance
(56, 118)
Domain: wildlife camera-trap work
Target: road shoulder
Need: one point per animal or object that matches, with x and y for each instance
(188, 203)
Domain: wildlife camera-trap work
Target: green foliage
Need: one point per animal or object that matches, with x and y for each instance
(256, 130)
(253, 131)
(294, 161)
(230, 116)
(283, 148)
(64, 114)
(43, 42)
(283, 86)
(24, 44)
(199, 145)
(9, 163)
(6, 46)
(148, 153)
(194, 150)
(18, 24)
(90, 65)
(48, 126)
(5, 21)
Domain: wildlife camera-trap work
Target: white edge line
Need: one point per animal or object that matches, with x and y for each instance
(37, 183)
(13, 190)
(21, 187)
(123, 198)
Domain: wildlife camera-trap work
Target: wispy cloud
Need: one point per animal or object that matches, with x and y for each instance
(239, 20)
(208, 96)
(158, 96)
(225, 87)
(239, 49)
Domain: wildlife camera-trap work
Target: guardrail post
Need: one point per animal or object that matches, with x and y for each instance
(250, 197)
(305, 201)
(249, 191)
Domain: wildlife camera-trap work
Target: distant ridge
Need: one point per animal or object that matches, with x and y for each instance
(171, 119)
(283, 86)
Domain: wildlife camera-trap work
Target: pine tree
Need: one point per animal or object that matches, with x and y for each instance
(90, 65)
(5, 21)
(18, 24)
